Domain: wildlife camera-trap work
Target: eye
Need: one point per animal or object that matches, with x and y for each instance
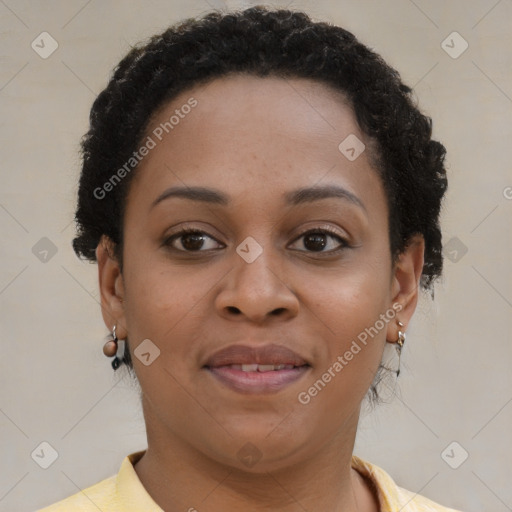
(316, 240)
(191, 240)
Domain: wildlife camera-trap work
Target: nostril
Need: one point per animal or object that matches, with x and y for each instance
(233, 309)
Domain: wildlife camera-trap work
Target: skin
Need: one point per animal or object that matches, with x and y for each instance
(255, 139)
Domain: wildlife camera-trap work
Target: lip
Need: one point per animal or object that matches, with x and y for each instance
(265, 354)
(224, 366)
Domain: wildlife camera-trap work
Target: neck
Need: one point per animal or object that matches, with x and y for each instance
(179, 477)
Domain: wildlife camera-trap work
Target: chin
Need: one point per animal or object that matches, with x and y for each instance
(258, 449)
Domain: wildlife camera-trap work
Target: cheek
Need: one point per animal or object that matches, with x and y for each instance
(348, 313)
(350, 300)
(166, 303)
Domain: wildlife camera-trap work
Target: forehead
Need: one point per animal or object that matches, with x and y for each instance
(247, 133)
(247, 106)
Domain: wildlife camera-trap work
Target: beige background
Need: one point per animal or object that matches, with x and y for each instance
(456, 383)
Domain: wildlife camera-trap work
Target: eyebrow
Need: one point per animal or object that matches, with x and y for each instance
(294, 198)
(310, 194)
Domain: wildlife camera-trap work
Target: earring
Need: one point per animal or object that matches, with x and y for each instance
(110, 349)
(399, 344)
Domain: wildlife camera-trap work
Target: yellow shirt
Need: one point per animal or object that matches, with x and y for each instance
(124, 492)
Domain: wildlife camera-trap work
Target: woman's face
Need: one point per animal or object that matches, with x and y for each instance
(253, 287)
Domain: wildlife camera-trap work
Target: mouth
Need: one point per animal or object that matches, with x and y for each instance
(262, 368)
(256, 370)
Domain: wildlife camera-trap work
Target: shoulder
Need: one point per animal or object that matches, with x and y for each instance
(391, 497)
(100, 496)
(123, 491)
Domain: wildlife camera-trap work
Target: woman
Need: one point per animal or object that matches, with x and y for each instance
(262, 199)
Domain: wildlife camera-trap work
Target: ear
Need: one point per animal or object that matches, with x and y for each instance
(406, 284)
(111, 285)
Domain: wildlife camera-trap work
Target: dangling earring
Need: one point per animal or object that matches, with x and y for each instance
(110, 349)
(399, 344)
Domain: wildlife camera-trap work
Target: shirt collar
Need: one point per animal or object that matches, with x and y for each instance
(385, 487)
(130, 491)
(135, 498)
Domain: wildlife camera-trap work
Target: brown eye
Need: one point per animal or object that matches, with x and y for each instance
(315, 241)
(191, 241)
(318, 239)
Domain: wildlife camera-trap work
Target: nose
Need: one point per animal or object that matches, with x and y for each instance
(256, 291)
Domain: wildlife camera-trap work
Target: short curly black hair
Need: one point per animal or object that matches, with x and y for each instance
(265, 42)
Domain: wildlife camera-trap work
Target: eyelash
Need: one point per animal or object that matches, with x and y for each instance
(324, 230)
